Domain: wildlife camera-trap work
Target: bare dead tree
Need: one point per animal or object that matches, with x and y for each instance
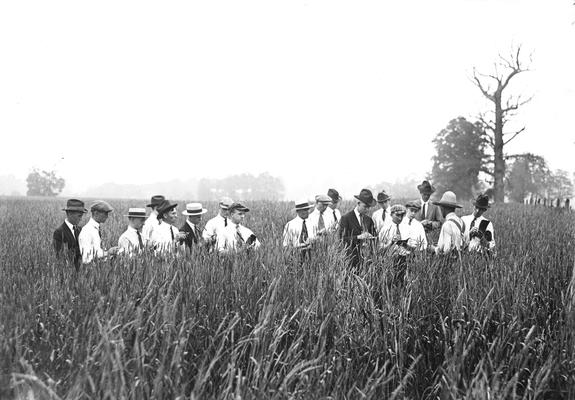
(492, 87)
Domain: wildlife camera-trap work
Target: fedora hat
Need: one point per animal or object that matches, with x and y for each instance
(334, 195)
(164, 207)
(382, 197)
(448, 200)
(482, 201)
(194, 209)
(156, 200)
(366, 197)
(425, 187)
(303, 205)
(225, 203)
(75, 205)
(136, 213)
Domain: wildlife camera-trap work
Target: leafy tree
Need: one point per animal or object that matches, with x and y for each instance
(527, 176)
(492, 86)
(460, 155)
(560, 185)
(44, 183)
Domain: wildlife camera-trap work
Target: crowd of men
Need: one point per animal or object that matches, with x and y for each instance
(398, 230)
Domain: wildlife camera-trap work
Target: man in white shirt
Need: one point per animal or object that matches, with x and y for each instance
(90, 238)
(152, 220)
(451, 237)
(394, 235)
(235, 236)
(166, 237)
(417, 240)
(217, 223)
(478, 229)
(334, 205)
(297, 234)
(382, 216)
(320, 221)
(131, 241)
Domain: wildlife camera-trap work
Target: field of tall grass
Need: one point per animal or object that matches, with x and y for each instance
(261, 325)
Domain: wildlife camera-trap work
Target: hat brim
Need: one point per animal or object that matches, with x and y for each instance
(185, 212)
(483, 207)
(384, 200)
(80, 209)
(304, 208)
(426, 189)
(371, 204)
(446, 204)
(136, 216)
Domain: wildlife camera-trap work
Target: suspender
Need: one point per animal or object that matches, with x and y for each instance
(456, 223)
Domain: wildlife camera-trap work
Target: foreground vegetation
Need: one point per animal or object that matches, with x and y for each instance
(263, 326)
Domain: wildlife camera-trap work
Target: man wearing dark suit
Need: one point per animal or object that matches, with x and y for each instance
(356, 229)
(430, 215)
(65, 238)
(194, 212)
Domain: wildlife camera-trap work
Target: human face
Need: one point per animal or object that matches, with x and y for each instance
(321, 207)
(383, 205)
(237, 216)
(74, 217)
(425, 196)
(362, 208)
(137, 223)
(396, 218)
(100, 216)
(171, 216)
(224, 213)
(334, 204)
(478, 212)
(195, 219)
(303, 214)
(411, 213)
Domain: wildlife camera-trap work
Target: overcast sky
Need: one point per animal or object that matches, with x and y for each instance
(342, 93)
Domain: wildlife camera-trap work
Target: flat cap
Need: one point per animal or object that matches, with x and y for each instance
(323, 198)
(398, 209)
(101, 205)
(413, 204)
(225, 203)
(239, 207)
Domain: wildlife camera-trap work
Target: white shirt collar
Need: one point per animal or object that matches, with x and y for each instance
(132, 229)
(70, 226)
(357, 215)
(190, 224)
(94, 223)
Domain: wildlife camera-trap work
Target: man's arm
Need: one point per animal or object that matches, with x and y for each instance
(57, 241)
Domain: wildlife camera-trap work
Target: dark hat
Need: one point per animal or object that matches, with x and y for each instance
(482, 201)
(101, 205)
(75, 205)
(334, 194)
(156, 200)
(366, 197)
(382, 197)
(165, 207)
(448, 200)
(425, 187)
(416, 204)
(238, 206)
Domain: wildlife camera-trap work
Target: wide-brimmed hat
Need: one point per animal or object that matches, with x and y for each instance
(366, 197)
(303, 205)
(482, 201)
(425, 187)
(238, 206)
(101, 205)
(136, 213)
(75, 205)
(225, 203)
(416, 204)
(398, 209)
(156, 200)
(334, 195)
(194, 209)
(382, 197)
(165, 207)
(323, 198)
(448, 200)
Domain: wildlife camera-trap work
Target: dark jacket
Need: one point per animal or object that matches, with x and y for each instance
(432, 213)
(349, 229)
(66, 245)
(192, 238)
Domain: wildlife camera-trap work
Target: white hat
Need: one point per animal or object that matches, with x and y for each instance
(225, 203)
(303, 205)
(448, 199)
(136, 213)
(194, 209)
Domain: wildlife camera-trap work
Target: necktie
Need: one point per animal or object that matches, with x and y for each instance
(76, 232)
(198, 236)
(320, 224)
(239, 238)
(383, 215)
(362, 224)
(140, 242)
(172, 232)
(225, 221)
(423, 211)
(303, 235)
(473, 223)
(397, 235)
(334, 216)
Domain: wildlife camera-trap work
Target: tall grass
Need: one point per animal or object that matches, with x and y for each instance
(262, 325)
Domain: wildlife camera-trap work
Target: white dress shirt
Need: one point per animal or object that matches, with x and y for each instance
(91, 242)
(292, 232)
(228, 241)
(129, 242)
(71, 227)
(163, 237)
(151, 223)
(416, 234)
(450, 237)
(377, 217)
(336, 214)
(213, 226)
(328, 221)
(475, 243)
(389, 232)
